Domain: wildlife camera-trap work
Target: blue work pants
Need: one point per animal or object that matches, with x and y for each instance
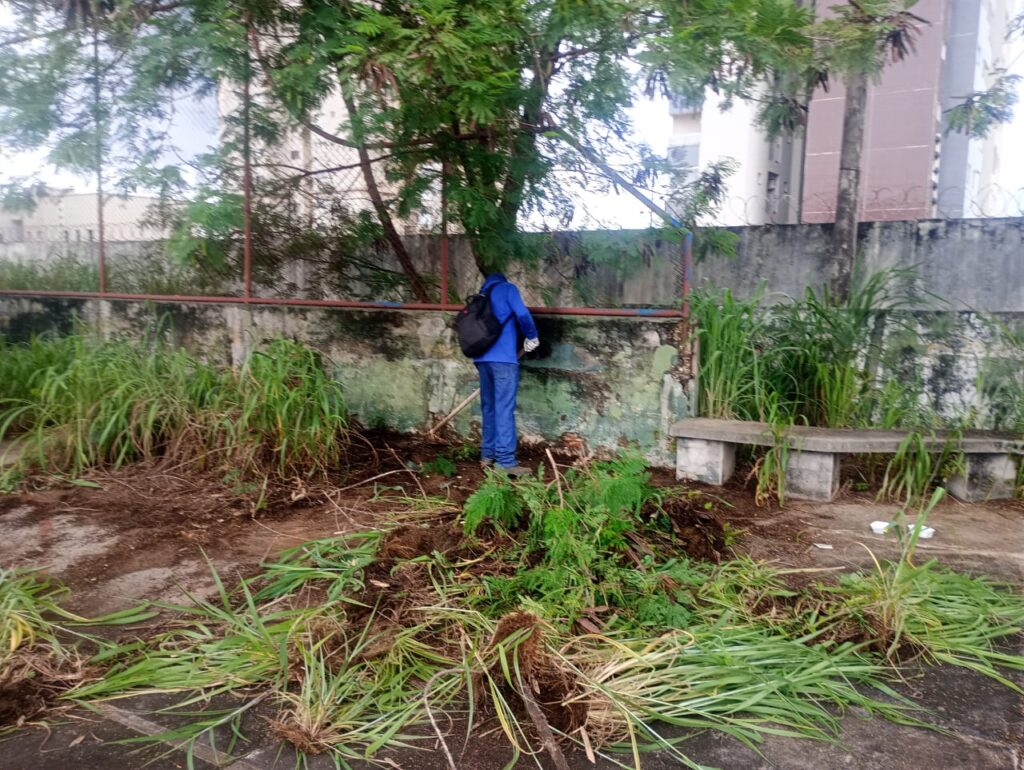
(499, 385)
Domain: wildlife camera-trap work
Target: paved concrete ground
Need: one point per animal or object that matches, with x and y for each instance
(981, 727)
(982, 723)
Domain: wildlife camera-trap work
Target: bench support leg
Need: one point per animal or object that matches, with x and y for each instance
(985, 477)
(812, 475)
(709, 461)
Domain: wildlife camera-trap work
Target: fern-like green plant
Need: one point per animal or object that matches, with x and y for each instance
(497, 501)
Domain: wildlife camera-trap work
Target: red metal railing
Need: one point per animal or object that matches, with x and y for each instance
(342, 303)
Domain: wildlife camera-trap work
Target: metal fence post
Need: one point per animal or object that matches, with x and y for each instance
(97, 93)
(247, 170)
(444, 233)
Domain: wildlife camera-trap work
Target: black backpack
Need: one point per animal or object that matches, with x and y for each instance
(476, 325)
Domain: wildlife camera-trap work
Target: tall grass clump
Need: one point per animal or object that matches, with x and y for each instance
(814, 361)
(63, 273)
(83, 402)
(282, 409)
(810, 361)
(729, 332)
(22, 365)
(107, 403)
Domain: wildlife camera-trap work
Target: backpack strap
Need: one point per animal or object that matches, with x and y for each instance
(488, 293)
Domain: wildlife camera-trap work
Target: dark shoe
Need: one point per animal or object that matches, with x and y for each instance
(516, 471)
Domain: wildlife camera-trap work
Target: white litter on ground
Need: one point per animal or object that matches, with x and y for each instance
(882, 527)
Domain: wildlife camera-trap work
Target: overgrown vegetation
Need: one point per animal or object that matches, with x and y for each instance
(79, 402)
(60, 274)
(809, 361)
(149, 272)
(815, 361)
(576, 608)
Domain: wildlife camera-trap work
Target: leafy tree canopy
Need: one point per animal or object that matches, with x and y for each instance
(487, 97)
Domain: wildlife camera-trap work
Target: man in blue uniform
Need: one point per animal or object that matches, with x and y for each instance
(499, 374)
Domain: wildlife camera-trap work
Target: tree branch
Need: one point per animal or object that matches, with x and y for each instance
(612, 174)
(141, 12)
(305, 172)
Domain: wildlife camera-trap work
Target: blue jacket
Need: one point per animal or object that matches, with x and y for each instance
(506, 303)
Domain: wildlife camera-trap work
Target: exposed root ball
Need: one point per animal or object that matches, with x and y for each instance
(31, 683)
(552, 687)
(304, 738)
(409, 542)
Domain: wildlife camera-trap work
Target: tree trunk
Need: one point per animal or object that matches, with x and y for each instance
(419, 290)
(848, 197)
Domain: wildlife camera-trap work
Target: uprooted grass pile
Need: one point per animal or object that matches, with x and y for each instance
(78, 402)
(560, 612)
(38, 658)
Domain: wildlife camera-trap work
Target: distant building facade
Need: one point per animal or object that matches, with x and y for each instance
(62, 216)
(912, 167)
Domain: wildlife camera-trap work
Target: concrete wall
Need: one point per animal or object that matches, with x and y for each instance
(606, 381)
(43, 252)
(966, 264)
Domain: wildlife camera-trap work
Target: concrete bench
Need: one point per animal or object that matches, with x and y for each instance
(706, 451)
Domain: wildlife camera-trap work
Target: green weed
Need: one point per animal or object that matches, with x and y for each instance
(81, 402)
(496, 501)
(439, 466)
(917, 466)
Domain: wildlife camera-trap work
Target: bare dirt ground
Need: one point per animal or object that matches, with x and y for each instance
(153, 534)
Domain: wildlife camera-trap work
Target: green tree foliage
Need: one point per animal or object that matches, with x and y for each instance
(488, 97)
(982, 111)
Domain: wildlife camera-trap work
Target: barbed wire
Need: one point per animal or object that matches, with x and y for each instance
(329, 174)
(877, 204)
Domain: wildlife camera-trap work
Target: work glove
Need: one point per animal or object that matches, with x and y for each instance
(531, 345)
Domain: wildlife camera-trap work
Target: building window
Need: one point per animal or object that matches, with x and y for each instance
(685, 157)
(772, 194)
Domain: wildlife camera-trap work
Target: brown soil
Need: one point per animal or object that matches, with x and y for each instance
(408, 542)
(697, 526)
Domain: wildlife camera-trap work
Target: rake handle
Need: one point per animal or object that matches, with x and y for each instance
(455, 412)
